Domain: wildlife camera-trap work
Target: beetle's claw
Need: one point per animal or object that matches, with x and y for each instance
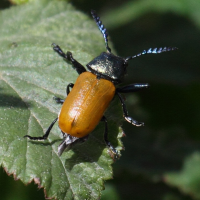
(53, 45)
(114, 153)
(134, 122)
(58, 100)
(28, 136)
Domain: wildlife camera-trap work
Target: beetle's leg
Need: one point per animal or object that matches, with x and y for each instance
(133, 87)
(127, 118)
(45, 136)
(79, 68)
(68, 142)
(59, 100)
(68, 56)
(106, 137)
(70, 85)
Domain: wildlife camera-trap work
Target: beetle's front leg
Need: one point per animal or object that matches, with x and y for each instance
(127, 118)
(68, 56)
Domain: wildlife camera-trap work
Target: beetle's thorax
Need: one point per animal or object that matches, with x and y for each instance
(108, 66)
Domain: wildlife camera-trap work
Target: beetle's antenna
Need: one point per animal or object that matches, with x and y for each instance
(101, 28)
(155, 50)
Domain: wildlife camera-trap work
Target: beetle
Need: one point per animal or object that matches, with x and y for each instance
(90, 96)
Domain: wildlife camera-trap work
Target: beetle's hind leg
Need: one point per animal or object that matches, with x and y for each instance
(109, 145)
(68, 142)
(68, 56)
(45, 136)
(128, 118)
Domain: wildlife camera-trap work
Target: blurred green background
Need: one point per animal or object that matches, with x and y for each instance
(162, 159)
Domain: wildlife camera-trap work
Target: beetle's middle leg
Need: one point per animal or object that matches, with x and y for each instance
(58, 99)
(70, 85)
(68, 56)
(127, 118)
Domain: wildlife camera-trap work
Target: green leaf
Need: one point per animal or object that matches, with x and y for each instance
(188, 179)
(110, 193)
(31, 73)
(134, 9)
(18, 2)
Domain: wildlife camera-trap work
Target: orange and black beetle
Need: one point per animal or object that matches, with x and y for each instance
(92, 93)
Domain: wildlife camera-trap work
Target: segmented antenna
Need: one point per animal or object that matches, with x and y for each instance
(101, 28)
(155, 50)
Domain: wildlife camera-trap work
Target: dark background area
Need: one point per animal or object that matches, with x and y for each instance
(170, 107)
